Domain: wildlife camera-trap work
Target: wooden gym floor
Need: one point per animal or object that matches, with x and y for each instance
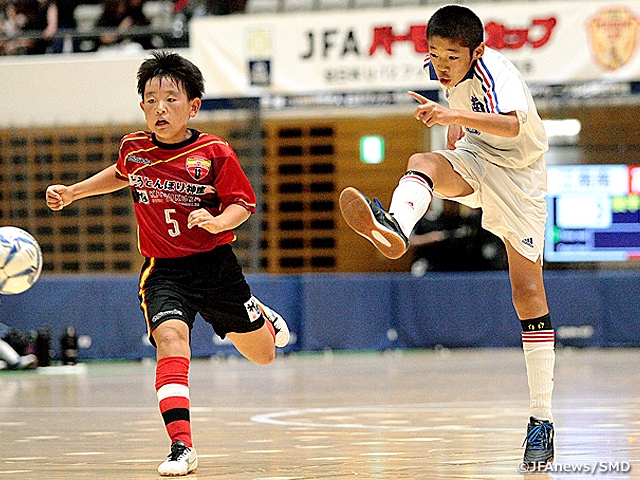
(398, 415)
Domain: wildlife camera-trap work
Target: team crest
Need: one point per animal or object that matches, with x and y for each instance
(613, 37)
(198, 167)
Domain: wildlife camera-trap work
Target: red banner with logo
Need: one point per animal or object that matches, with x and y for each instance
(552, 43)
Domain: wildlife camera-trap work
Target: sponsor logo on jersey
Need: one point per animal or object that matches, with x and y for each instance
(198, 167)
(613, 34)
(135, 159)
(528, 242)
(175, 312)
(142, 196)
(141, 182)
(476, 104)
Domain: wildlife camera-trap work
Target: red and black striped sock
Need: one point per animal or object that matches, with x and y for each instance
(172, 388)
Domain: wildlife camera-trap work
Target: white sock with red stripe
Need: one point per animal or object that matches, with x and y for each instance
(540, 356)
(172, 389)
(410, 200)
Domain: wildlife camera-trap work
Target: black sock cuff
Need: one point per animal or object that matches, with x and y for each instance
(537, 324)
(421, 175)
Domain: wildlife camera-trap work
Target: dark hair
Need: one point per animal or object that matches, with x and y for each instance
(163, 64)
(457, 23)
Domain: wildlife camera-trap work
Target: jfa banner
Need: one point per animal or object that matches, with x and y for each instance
(552, 43)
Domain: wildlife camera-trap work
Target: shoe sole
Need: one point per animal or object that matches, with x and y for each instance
(165, 474)
(356, 212)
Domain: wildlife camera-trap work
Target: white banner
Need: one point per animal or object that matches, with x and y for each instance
(552, 43)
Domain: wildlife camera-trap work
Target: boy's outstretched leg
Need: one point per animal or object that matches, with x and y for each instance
(369, 219)
(390, 231)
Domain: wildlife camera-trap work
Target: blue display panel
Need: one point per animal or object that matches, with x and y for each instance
(594, 213)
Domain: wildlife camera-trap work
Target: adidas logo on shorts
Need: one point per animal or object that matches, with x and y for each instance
(528, 242)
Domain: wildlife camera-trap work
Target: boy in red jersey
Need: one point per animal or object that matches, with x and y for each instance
(189, 193)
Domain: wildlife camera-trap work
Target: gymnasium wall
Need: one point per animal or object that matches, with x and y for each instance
(347, 311)
(62, 121)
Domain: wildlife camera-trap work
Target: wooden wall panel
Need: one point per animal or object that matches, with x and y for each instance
(306, 163)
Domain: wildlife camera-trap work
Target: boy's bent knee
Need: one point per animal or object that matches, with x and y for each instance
(171, 338)
(423, 161)
(264, 358)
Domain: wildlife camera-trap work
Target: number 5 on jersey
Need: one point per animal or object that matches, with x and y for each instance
(174, 229)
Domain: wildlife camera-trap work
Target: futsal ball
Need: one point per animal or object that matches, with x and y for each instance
(20, 260)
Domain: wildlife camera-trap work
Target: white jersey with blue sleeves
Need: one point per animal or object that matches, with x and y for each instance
(494, 85)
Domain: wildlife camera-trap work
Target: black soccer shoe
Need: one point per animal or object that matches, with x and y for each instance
(370, 220)
(538, 444)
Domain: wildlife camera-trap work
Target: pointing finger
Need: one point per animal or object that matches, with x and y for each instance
(418, 97)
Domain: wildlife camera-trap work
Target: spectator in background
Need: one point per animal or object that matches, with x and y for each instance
(9, 357)
(123, 15)
(39, 19)
(5, 27)
(199, 8)
(66, 21)
(225, 7)
(440, 240)
(450, 238)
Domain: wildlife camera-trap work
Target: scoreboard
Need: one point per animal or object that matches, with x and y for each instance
(594, 213)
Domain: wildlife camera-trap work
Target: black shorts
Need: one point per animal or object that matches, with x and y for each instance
(211, 284)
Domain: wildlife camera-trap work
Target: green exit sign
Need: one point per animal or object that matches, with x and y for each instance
(372, 149)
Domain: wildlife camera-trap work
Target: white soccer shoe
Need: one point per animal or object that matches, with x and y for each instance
(182, 460)
(279, 325)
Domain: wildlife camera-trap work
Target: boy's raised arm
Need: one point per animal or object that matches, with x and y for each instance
(105, 181)
(431, 113)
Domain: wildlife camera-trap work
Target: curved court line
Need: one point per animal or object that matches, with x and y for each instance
(279, 418)
(273, 419)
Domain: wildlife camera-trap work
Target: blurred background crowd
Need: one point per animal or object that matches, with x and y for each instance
(34, 27)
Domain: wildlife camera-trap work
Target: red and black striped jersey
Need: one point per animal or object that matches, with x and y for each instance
(169, 181)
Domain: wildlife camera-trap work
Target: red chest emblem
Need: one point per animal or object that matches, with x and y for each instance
(198, 167)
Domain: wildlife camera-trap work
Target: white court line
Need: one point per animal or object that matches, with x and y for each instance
(598, 405)
(279, 418)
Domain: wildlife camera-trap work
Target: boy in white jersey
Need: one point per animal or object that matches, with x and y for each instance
(494, 160)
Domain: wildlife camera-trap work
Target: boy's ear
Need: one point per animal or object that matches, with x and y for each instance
(478, 52)
(196, 103)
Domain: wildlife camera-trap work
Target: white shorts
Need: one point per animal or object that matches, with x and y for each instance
(512, 199)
